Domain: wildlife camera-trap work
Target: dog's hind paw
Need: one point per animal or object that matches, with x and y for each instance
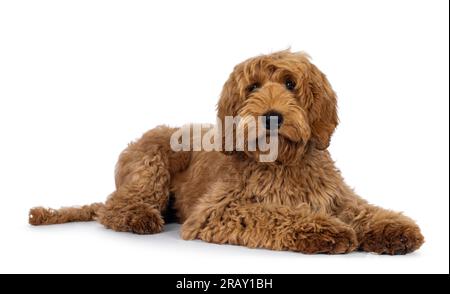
(136, 218)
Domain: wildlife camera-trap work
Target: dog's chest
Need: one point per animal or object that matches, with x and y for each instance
(269, 187)
(286, 186)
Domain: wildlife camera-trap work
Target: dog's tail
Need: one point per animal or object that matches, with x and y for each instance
(47, 216)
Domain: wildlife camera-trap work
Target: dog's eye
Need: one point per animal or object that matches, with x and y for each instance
(253, 87)
(290, 84)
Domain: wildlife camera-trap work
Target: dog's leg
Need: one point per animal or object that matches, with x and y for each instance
(222, 220)
(382, 231)
(142, 179)
(137, 203)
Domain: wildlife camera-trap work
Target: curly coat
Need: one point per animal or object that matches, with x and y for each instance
(299, 202)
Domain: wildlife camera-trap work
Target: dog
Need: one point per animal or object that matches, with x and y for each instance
(297, 202)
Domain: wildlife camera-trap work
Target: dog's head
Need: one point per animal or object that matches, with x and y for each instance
(289, 89)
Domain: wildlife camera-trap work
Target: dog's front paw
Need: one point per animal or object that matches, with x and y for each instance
(392, 236)
(332, 237)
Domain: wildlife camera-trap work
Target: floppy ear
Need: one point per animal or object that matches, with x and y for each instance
(323, 113)
(228, 105)
(229, 99)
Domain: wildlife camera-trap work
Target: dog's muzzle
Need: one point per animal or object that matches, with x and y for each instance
(273, 120)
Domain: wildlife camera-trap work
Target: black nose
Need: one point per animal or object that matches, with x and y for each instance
(275, 117)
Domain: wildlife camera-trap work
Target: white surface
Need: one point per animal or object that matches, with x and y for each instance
(79, 79)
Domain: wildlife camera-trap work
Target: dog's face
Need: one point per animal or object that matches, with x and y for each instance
(289, 89)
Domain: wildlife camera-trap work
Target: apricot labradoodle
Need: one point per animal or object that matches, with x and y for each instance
(298, 202)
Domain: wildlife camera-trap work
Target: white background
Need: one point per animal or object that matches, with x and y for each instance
(80, 79)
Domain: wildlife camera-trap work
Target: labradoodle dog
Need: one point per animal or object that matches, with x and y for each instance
(297, 202)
